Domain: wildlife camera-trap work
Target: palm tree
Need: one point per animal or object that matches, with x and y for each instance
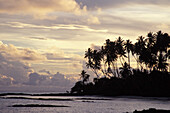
(153, 51)
(94, 60)
(84, 76)
(120, 49)
(162, 41)
(89, 54)
(140, 50)
(128, 47)
(110, 55)
(162, 65)
(160, 49)
(125, 70)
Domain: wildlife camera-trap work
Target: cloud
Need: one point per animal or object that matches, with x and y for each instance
(40, 8)
(57, 56)
(5, 80)
(45, 71)
(95, 47)
(16, 75)
(15, 63)
(14, 71)
(162, 26)
(67, 63)
(36, 79)
(60, 55)
(37, 38)
(60, 80)
(57, 79)
(94, 20)
(107, 4)
(11, 52)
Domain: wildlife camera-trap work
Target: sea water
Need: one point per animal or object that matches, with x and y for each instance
(81, 104)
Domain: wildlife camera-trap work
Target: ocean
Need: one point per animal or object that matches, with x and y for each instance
(80, 104)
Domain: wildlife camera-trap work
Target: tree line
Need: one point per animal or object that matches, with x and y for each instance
(151, 54)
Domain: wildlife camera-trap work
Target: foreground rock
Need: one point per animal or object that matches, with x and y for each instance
(152, 110)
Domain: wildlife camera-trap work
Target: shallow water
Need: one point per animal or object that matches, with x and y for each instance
(82, 104)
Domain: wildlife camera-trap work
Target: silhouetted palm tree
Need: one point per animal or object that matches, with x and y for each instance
(150, 53)
(138, 49)
(110, 54)
(158, 44)
(103, 58)
(125, 70)
(84, 76)
(162, 65)
(120, 49)
(162, 41)
(94, 60)
(89, 55)
(128, 47)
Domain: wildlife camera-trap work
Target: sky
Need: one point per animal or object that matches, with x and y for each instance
(42, 42)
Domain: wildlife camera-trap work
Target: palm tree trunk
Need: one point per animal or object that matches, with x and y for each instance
(104, 68)
(138, 63)
(117, 70)
(121, 61)
(94, 71)
(129, 59)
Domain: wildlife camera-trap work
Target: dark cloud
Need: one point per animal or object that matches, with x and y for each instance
(5, 80)
(44, 71)
(34, 79)
(57, 79)
(92, 4)
(60, 80)
(16, 73)
(37, 38)
(15, 70)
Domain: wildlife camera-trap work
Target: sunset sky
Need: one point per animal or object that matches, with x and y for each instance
(42, 42)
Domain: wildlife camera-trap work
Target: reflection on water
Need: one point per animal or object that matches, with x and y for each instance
(80, 104)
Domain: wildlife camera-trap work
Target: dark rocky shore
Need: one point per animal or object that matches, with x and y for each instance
(152, 110)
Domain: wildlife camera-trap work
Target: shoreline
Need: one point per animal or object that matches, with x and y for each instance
(76, 94)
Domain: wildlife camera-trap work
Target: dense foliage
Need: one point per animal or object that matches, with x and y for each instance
(151, 77)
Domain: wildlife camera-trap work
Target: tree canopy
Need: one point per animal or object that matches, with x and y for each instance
(150, 78)
(151, 53)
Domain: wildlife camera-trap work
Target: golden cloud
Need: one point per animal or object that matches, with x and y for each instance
(40, 8)
(162, 26)
(13, 53)
(57, 26)
(93, 20)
